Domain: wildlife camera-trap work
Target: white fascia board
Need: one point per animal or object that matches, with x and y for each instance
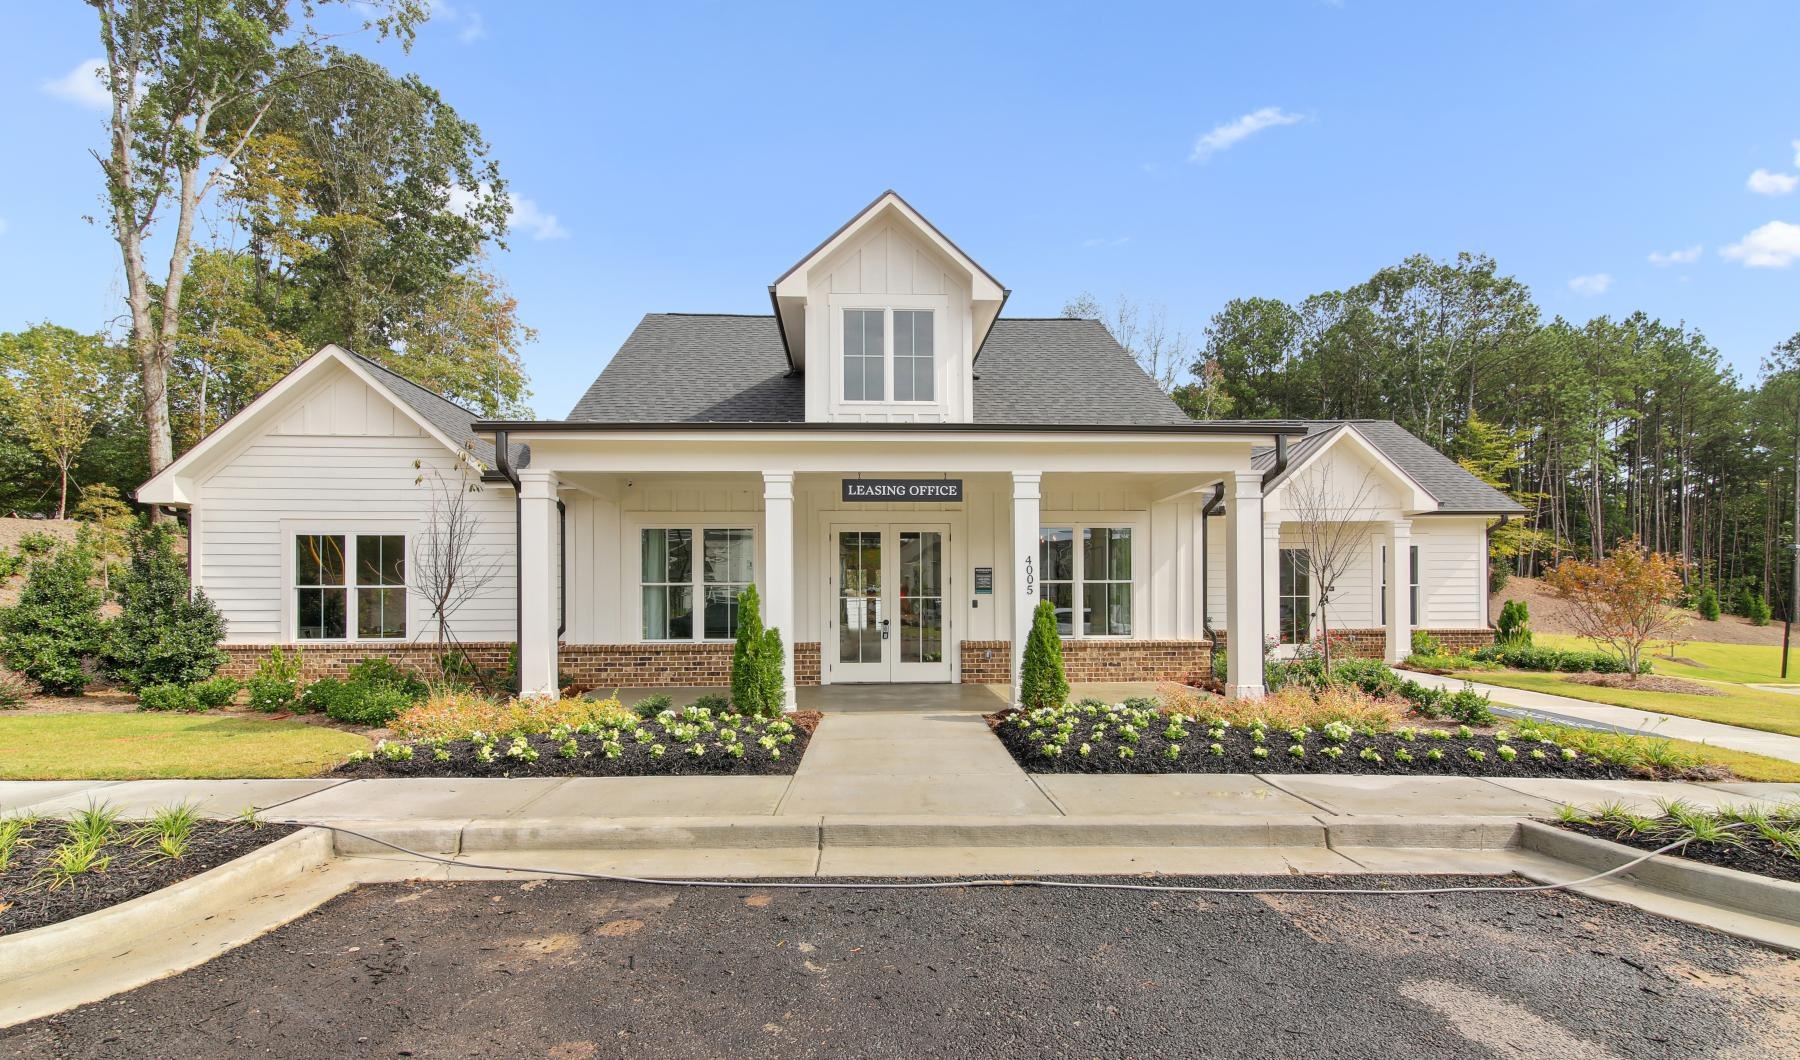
(793, 283)
(175, 484)
(1422, 500)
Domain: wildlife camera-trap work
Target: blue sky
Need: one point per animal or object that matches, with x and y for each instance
(679, 157)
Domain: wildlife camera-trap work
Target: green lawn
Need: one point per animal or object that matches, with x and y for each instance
(1705, 660)
(165, 747)
(1748, 707)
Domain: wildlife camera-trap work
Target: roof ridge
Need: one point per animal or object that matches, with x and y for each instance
(684, 313)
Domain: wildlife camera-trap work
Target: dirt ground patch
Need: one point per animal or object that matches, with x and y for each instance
(1550, 615)
(1647, 683)
(500, 968)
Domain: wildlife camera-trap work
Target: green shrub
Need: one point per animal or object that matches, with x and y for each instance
(1759, 613)
(37, 543)
(216, 693)
(275, 687)
(1423, 643)
(370, 705)
(1513, 628)
(1424, 700)
(1550, 660)
(1707, 604)
(1468, 706)
(169, 697)
(716, 703)
(1042, 682)
(12, 564)
(320, 695)
(1302, 671)
(166, 632)
(14, 690)
(756, 661)
(56, 624)
(382, 671)
(1372, 676)
(652, 705)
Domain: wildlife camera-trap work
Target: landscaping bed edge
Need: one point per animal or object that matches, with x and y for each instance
(105, 932)
(1743, 891)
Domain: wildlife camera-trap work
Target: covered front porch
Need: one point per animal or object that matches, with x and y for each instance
(902, 698)
(887, 555)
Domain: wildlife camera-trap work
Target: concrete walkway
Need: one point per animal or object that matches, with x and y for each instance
(1572, 711)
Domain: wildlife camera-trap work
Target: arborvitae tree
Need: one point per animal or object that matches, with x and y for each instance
(1042, 682)
(1707, 603)
(747, 692)
(1513, 629)
(56, 623)
(771, 657)
(165, 634)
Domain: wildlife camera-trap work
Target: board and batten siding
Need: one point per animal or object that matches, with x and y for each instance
(342, 460)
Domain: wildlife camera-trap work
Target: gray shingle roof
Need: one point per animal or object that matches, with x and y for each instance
(678, 367)
(1455, 489)
(447, 416)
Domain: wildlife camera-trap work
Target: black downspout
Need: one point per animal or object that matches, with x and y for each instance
(562, 569)
(503, 457)
(1207, 511)
(1487, 559)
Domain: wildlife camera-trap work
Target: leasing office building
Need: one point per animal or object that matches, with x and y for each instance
(902, 471)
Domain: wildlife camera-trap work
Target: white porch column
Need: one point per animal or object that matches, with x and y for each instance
(1243, 587)
(1399, 599)
(778, 575)
(1027, 497)
(1271, 577)
(538, 549)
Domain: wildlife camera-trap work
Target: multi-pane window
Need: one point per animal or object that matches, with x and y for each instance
(865, 367)
(1415, 585)
(331, 584)
(1296, 596)
(1384, 584)
(670, 581)
(1098, 574)
(914, 371)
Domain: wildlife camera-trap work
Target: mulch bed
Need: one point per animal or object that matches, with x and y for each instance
(634, 760)
(1756, 854)
(26, 902)
(1645, 683)
(1239, 756)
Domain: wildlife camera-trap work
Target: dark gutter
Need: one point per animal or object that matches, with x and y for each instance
(1005, 297)
(562, 568)
(1207, 511)
(781, 326)
(1225, 427)
(1281, 459)
(503, 457)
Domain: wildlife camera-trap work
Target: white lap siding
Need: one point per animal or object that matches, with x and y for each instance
(249, 509)
(1452, 571)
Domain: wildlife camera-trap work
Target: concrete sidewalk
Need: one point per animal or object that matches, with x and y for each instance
(1571, 711)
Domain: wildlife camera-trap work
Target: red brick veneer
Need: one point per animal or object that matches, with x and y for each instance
(335, 660)
(667, 665)
(990, 661)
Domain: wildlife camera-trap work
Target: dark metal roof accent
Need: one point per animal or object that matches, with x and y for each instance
(1248, 429)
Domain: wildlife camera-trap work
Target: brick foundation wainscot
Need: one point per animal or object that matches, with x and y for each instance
(335, 660)
(1372, 643)
(607, 666)
(990, 661)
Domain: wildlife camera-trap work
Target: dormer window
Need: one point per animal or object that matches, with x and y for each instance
(870, 375)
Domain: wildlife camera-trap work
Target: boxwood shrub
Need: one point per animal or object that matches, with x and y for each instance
(1526, 657)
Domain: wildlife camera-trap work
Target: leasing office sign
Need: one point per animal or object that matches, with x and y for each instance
(917, 490)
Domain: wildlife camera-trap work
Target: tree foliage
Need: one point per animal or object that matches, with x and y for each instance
(1625, 601)
(58, 385)
(166, 632)
(56, 625)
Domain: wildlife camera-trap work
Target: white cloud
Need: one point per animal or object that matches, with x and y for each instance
(470, 27)
(1775, 245)
(1223, 137)
(1763, 182)
(541, 225)
(1676, 257)
(85, 85)
(1597, 283)
(526, 215)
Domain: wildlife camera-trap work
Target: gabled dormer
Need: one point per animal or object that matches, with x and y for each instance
(884, 318)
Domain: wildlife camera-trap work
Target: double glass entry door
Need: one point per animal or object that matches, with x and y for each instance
(888, 611)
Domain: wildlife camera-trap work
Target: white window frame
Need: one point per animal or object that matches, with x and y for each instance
(632, 567)
(1077, 522)
(1417, 574)
(349, 530)
(886, 304)
(1282, 595)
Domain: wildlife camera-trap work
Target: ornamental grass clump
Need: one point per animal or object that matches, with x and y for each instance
(453, 714)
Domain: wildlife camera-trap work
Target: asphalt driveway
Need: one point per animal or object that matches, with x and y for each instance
(570, 969)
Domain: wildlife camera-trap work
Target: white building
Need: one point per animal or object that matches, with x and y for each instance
(902, 471)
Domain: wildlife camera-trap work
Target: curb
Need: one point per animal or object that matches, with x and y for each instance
(1775, 899)
(103, 934)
